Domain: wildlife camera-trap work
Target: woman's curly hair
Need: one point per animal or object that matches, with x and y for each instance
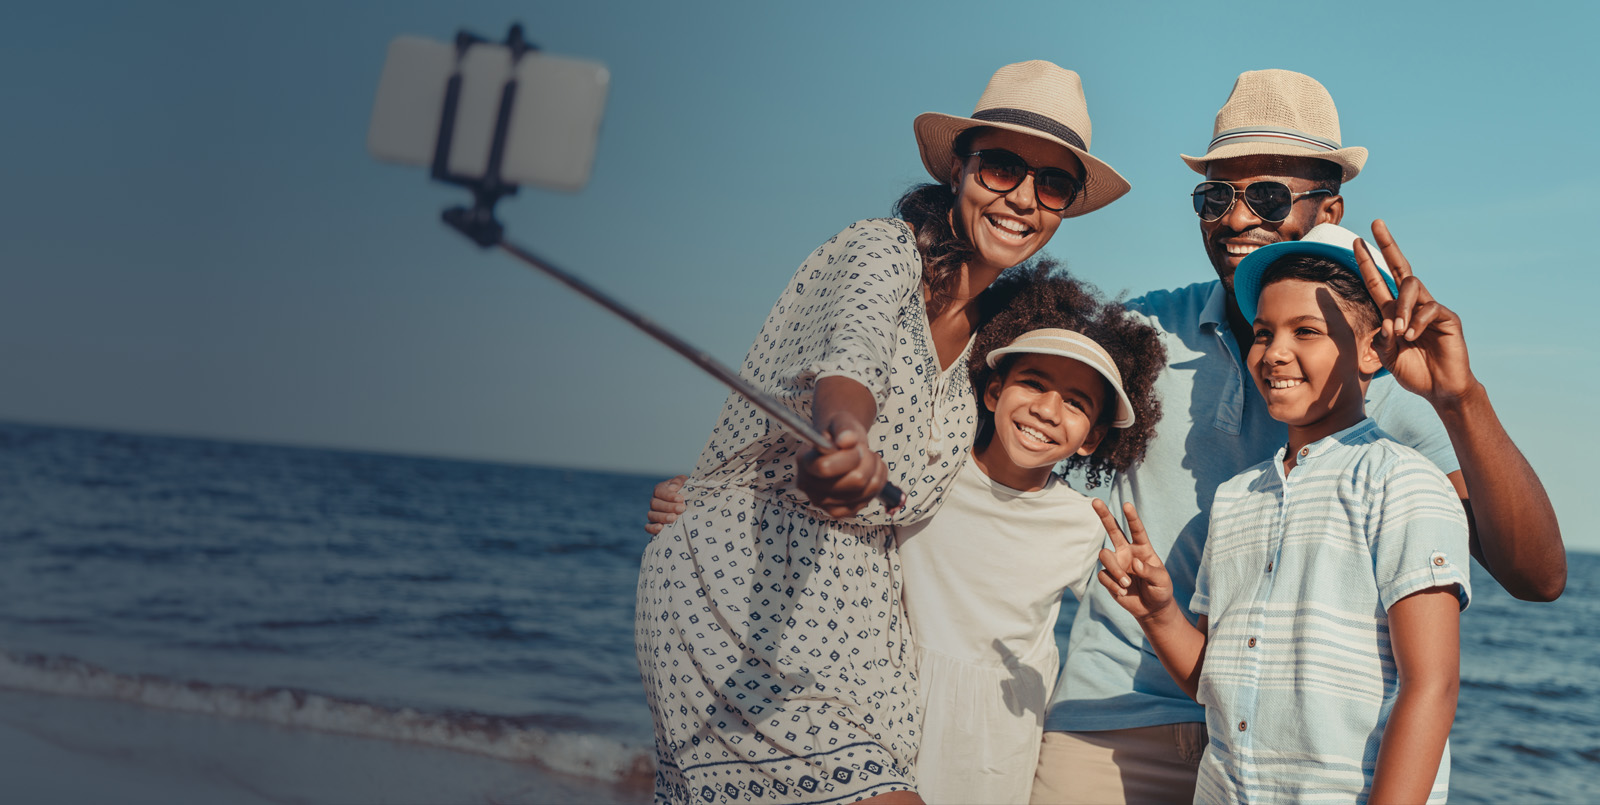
(1041, 294)
(927, 208)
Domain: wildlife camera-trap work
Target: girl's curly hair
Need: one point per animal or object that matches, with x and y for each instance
(1041, 294)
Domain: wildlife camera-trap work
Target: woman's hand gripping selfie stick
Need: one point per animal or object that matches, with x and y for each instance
(479, 224)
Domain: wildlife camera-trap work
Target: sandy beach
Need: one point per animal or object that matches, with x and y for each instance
(61, 749)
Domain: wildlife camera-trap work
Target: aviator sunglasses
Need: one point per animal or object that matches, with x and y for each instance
(1269, 200)
(1001, 171)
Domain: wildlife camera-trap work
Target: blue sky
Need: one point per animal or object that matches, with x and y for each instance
(195, 241)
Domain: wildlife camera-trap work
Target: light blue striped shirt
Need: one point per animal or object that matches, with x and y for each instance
(1213, 426)
(1297, 578)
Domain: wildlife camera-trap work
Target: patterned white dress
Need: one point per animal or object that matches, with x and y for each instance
(771, 638)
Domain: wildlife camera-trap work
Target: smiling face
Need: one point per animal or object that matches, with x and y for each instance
(1308, 361)
(1006, 228)
(1238, 233)
(1046, 408)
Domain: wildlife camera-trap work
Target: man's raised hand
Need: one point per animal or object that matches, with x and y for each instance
(1423, 345)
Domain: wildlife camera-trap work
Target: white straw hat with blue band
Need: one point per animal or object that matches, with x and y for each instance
(1282, 113)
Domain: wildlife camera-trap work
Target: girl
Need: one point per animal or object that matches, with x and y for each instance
(1063, 377)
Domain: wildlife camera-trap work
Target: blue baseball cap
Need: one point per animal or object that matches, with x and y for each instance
(1324, 240)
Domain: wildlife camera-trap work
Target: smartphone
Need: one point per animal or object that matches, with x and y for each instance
(555, 116)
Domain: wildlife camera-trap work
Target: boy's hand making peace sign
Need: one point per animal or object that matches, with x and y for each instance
(1133, 572)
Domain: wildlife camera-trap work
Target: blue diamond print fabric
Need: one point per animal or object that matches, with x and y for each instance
(771, 639)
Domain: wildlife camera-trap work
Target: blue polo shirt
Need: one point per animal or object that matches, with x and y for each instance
(1213, 426)
(1297, 579)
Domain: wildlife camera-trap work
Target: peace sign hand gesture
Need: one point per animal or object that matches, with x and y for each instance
(1132, 572)
(1422, 344)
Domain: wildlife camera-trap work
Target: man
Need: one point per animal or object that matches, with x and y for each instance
(1119, 729)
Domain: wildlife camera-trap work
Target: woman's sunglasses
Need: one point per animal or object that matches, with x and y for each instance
(1001, 171)
(1269, 200)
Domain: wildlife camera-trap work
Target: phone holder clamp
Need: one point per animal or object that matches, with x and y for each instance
(478, 222)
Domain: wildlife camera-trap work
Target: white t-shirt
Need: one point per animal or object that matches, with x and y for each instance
(983, 581)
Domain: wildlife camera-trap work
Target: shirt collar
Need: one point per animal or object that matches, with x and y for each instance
(1215, 313)
(1355, 434)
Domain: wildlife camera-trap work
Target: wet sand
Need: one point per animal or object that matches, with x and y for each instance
(59, 749)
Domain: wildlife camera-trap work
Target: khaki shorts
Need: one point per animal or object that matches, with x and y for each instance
(1141, 765)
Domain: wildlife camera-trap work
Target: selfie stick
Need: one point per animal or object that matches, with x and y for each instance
(479, 224)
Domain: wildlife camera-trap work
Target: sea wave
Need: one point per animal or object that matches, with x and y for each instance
(519, 739)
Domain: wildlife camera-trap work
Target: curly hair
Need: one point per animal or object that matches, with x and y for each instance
(1041, 294)
(927, 208)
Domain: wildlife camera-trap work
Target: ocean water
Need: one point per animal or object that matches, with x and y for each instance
(488, 608)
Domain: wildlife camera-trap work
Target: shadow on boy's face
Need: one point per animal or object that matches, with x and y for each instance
(1346, 369)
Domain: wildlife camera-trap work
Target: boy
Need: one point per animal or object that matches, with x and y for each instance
(1328, 598)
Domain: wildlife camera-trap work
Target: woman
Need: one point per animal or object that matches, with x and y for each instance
(769, 625)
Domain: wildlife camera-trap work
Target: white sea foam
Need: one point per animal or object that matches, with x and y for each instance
(504, 737)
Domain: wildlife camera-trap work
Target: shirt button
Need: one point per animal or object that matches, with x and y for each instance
(1241, 726)
(1305, 451)
(1269, 567)
(1438, 561)
(1252, 643)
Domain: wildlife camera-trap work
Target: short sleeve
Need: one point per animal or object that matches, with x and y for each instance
(1200, 602)
(1408, 419)
(1417, 532)
(845, 304)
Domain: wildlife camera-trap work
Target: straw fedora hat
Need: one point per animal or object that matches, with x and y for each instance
(1035, 98)
(1283, 113)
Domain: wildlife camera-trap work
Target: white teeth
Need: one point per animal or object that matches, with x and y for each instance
(1013, 227)
(1036, 435)
(1236, 249)
(1284, 384)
